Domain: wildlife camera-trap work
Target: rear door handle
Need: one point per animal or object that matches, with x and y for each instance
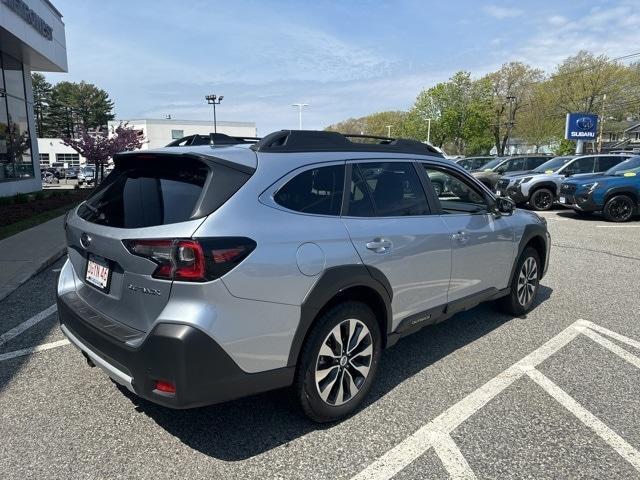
(379, 245)
(461, 236)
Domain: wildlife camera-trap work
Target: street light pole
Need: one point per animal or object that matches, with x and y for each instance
(214, 100)
(300, 106)
(389, 131)
(429, 130)
(604, 99)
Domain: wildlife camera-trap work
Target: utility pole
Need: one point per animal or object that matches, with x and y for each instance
(511, 123)
(388, 131)
(604, 99)
(428, 130)
(300, 106)
(214, 100)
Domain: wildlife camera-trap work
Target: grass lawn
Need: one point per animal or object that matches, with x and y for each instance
(25, 211)
(13, 228)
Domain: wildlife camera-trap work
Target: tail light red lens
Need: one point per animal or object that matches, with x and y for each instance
(192, 260)
(164, 386)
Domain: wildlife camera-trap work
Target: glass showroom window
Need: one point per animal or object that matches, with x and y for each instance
(15, 141)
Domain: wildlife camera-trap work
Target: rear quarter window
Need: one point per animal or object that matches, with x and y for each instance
(317, 191)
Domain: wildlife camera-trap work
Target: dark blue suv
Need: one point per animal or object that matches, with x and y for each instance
(616, 193)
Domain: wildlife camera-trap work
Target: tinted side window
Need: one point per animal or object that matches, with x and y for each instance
(515, 165)
(317, 191)
(480, 162)
(605, 163)
(395, 189)
(582, 165)
(535, 162)
(458, 195)
(360, 204)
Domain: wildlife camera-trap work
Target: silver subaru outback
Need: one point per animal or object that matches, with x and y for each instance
(206, 273)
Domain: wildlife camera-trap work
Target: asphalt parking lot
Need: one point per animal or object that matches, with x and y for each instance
(482, 395)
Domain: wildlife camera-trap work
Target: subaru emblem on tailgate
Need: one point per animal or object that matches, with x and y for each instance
(85, 240)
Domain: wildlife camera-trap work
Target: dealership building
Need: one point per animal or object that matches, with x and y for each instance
(32, 37)
(160, 132)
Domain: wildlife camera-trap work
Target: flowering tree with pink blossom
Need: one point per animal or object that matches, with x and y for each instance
(98, 147)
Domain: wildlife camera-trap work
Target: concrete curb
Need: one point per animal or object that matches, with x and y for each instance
(9, 288)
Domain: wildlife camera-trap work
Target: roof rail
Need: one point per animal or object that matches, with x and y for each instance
(288, 141)
(211, 139)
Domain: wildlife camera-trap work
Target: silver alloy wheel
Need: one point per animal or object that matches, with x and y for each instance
(527, 281)
(343, 362)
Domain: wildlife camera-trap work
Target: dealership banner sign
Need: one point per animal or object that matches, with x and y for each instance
(581, 126)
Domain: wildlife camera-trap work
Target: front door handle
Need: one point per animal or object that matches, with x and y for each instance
(379, 245)
(461, 236)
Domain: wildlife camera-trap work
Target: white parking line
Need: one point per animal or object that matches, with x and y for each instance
(614, 440)
(610, 333)
(29, 351)
(436, 433)
(18, 329)
(424, 438)
(452, 459)
(617, 226)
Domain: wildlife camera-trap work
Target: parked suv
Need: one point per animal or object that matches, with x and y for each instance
(616, 193)
(202, 274)
(473, 163)
(540, 187)
(490, 173)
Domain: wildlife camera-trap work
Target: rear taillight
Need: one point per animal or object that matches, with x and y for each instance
(192, 260)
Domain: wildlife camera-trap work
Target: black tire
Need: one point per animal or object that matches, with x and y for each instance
(306, 390)
(437, 186)
(619, 208)
(513, 303)
(542, 199)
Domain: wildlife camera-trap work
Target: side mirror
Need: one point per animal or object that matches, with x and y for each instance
(505, 206)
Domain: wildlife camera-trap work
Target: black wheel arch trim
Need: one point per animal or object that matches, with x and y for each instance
(332, 282)
(548, 185)
(635, 194)
(530, 232)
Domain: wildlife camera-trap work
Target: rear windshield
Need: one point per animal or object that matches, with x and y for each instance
(146, 193)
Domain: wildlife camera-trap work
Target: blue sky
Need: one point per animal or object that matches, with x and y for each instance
(343, 58)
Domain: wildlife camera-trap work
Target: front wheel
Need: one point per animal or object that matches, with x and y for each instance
(619, 208)
(541, 199)
(524, 284)
(338, 362)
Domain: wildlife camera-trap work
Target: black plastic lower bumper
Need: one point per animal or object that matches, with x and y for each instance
(201, 370)
(515, 194)
(582, 203)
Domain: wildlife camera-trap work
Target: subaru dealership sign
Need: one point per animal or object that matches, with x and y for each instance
(581, 126)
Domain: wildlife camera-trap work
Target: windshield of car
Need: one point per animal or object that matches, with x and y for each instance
(492, 164)
(553, 165)
(630, 167)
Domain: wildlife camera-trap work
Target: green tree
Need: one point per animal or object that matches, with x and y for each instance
(538, 122)
(75, 107)
(459, 114)
(41, 99)
(510, 88)
(374, 124)
(580, 83)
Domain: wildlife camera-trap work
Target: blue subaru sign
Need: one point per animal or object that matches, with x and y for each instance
(581, 126)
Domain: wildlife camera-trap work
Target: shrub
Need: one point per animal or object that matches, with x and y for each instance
(20, 198)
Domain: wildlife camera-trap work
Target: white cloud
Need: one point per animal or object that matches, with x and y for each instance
(557, 20)
(501, 12)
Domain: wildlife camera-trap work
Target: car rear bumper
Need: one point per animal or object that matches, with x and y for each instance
(202, 372)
